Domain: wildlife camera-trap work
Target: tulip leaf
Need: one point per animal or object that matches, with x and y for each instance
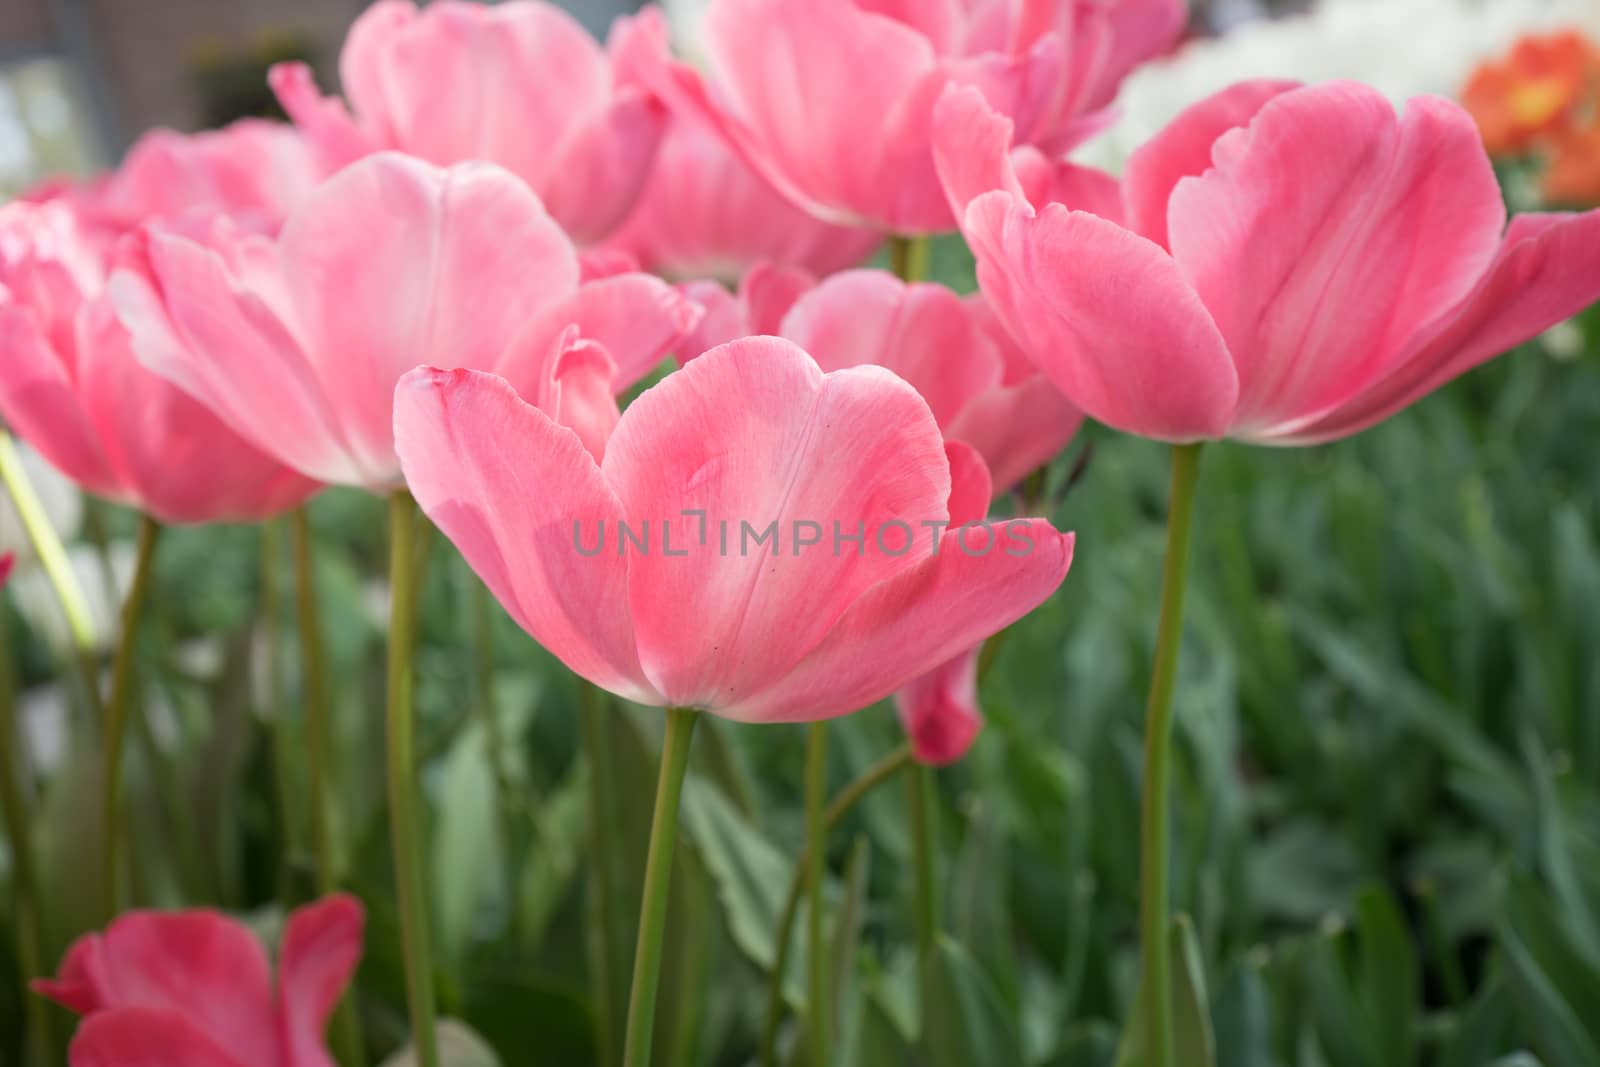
(458, 1046)
(964, 1020)
(1193, 1041)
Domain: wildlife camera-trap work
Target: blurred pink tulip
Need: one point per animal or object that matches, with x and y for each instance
(980, 387)
(252, 171)
(706, 214)
(7, 561)
(520, 84)
(1298, 264)
(70, 387)
(832, 100)
(195, 989)
(740, 472)
(298, 342)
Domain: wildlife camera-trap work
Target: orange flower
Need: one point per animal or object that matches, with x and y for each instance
(1533, 91)
(1572, 175)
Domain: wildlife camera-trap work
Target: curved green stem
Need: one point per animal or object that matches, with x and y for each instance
(14, 804)
(282, 742)
(53, 558)
(657, 886)
(117, 711)
(404, 818)
(816, 861)
(870, 779)
(908, 258)
(1156, 983)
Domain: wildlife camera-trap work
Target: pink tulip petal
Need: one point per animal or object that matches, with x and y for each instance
(197, 965)
(972, 148)
(603, 169)
(1547, 271)
(393, 263)
(525, 504)
(1319, 264)
(766, 293)
(853, 149)
(145, 1037)
(1076, 187)
(754, 433)
(636, 318)
(1183, 149)
(940, 710)
(1106, 314)
(320, 948)
(916, 620)
(39, 401)
(971, 488)
(921, 332)
(365, 73)
(324, 121)
(1017, 428)
(192, 324)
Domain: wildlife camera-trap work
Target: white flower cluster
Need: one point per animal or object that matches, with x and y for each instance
(1401, 47)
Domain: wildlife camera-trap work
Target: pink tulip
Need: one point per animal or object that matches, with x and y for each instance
(1298, 263)
(7, 561)
(70, 387)
(980, 387)
(832, 100)
(195, 989)
(769, 616)
(252, 171)
(706, 214)
(520, 84)
(297, 343)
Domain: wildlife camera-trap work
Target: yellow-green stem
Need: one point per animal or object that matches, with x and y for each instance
(116, 725)
(908, 258)
(404, 816)
(52, 557)
(1155, 957)
(816, 863)
(657, 887)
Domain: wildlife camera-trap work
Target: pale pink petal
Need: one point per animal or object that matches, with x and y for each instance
(1079, 188)
(852, 149)
(723, 318)
(918, 619)
(177, 460)
(705, 214)
(320, 949)
(144, 1037)
(972, 148)
(526, 505)
(1017, 428)
(1327, 234)
(940, 710)
(324, 121)
(1106, 314)
(1183, 149)
(394, 263)
(39, 401)
(922, 332)
(365, 70)
(192, 324)
(636, 318)
(601, 171)
(198, 965)
(1548, 270)
(753, 433)
(766, 293)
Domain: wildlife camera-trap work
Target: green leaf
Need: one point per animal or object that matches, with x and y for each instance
(1391, 979)
(964, 1021)
(531, 1020)
(1193, 1041)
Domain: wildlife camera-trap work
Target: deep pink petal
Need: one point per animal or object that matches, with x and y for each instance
(320, 949)
(394, 263)
(922, 332)
(918, 619)
(940, 710)
(1548, 270)
(197, 965)
(1106, 314)
(1183, 149)
(754, 433)
(526, 505)
(1328, 234)
(766, 293)
(972, 148)
(145, 1037)
(971, 488)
